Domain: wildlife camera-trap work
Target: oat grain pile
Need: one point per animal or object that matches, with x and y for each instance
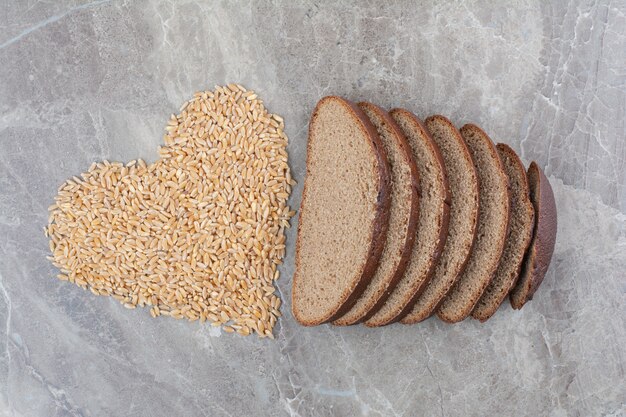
(197, 234)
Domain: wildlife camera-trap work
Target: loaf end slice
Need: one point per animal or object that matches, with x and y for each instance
(432, 220)
(464, 207)
(521, 223)
(402, 217)
(343, 215)
(541, 247)
(493, 220)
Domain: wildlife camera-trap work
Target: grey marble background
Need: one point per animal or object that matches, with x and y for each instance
(83, 81)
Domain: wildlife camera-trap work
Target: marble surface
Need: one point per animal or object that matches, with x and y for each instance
(83, 81)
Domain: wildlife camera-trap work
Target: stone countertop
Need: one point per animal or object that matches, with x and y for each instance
(84, 81)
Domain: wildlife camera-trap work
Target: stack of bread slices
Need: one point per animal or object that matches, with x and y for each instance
(403, 219)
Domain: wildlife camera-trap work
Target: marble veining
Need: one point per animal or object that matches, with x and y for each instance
(83, 81)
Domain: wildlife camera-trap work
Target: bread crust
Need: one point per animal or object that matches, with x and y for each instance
(379, 226)
(539, 253)
(443, 229)
(407, 247)
(485, 314)
(412, 320)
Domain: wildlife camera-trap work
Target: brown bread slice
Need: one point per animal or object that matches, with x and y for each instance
(521, 223)
(464, 207)
(432, 219)
(344, 212)
(402, 216)
(540, 251)
(493, 220)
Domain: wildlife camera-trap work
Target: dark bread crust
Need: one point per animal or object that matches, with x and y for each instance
(409, 240)
(407, 319)
(443, 231)
(485, 313)
(379, 225)
(539, 254)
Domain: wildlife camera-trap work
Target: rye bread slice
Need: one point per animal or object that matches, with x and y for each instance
(521, 221)
(344, 212)
(493, 220)
(464, 207)
(432, 220)
(402, 216)
(539, 254)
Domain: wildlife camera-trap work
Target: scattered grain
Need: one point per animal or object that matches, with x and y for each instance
(197, 234)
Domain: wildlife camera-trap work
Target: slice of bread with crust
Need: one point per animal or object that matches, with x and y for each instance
(344, 212)
(403, 215)
(464, 208)
(493, 221)
(521, 221)
(539, 254)
(432, 220)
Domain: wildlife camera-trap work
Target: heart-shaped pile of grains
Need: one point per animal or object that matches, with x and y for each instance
(197, 234)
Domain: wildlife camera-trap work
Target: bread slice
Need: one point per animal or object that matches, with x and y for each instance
(344, 212)
(521, 222)
(403, 214)
(463, 182)
(493, 220)
(432, 219)
(540, 251)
